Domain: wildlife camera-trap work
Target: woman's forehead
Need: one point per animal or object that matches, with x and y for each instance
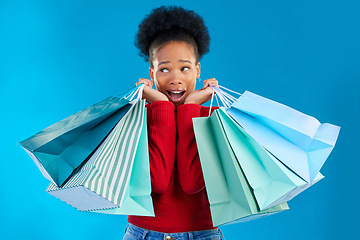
(175, 52)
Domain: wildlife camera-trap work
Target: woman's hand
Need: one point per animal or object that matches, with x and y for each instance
(203, 95)
(149, 94)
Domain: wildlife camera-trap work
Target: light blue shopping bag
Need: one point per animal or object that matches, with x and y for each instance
(299, 141)
(272, 182)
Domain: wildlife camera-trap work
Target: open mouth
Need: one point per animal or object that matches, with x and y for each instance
(175, 96)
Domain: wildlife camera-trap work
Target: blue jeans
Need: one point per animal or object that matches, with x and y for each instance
(133, 232)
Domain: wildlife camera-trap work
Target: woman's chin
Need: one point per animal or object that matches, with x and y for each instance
(176, 101)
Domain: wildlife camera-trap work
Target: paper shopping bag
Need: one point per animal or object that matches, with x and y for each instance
(137, 198)
(110, 178)
(62, 147)
(230, 196)
(296, 139)
(272, 182)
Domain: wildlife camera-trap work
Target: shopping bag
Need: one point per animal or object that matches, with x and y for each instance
(137, 198)
(59, 149)
(272, 182)
(299, 141)
(230, 196)
(116, 178)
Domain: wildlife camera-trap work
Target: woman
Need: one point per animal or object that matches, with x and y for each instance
(173, 40)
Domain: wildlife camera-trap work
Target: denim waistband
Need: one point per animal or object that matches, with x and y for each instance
(142, 233)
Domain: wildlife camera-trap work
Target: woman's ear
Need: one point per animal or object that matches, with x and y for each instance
(151, 73)
(198, 71)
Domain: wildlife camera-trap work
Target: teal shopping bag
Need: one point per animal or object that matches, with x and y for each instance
(272, 182)
(59, 149)
(299, 141)
(116, 179)
(230, 196)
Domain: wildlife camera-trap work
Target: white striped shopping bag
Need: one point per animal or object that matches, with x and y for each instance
(103, 181)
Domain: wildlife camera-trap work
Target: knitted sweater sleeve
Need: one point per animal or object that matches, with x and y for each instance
(162, 140)
(188, 162)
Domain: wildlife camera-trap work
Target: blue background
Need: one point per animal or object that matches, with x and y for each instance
(58, 57)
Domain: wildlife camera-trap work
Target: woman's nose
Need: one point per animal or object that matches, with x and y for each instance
(176, 82)
(176, 79)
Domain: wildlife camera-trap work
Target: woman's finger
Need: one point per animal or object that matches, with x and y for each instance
(145, 81)
(212, 82)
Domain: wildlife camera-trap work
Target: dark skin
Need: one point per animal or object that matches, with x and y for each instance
(174, 71)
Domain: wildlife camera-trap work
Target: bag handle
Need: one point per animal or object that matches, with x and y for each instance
(131, 93)
(138, 92)
(212, 97)
(226, 99)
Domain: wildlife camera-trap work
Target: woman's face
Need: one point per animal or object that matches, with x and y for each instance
(175, 70)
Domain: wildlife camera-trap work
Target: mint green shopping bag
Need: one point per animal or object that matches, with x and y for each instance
(230, 196)
(137, 198)
(116, 179)
(272, 182)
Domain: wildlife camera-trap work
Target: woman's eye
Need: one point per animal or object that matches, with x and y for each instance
(185, 69)
(164, 70)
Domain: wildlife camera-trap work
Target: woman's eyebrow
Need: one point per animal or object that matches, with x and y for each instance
(187, 61)
(163, 62)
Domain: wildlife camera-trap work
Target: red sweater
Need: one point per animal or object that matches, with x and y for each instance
(178, 188)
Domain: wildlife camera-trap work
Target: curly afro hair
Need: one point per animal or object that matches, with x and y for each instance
(172, 23)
